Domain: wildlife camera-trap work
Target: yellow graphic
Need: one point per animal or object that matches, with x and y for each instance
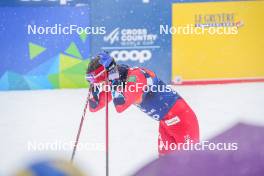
(235, 55)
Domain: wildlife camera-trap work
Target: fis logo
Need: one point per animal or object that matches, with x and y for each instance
(131, 44)
(113, 36)
(131, 37)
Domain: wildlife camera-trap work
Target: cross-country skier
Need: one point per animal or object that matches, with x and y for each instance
(141, 87)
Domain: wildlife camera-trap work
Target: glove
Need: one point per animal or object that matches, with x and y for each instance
(116, 83)
(113, 74)
(118, 97)
(94, 92)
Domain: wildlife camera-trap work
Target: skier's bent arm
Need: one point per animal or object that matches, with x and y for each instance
(97, 101)
(134, 90)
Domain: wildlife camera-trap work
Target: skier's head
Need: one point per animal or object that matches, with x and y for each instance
(100, 65)
(95, 72)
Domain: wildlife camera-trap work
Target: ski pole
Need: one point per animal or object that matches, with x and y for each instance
(80, 129)
(106, 131)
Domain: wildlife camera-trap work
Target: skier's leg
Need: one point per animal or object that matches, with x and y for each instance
(181, 123)
(164, 140)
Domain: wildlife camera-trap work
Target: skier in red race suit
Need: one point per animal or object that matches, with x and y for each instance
(141, 87)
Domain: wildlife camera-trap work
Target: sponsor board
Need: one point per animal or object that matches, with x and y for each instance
(132, 34)
(214, 58)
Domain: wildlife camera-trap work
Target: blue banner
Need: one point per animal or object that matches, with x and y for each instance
(132, 33)
(39, 50)
(38, 3)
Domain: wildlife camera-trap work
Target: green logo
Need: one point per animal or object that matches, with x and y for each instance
(132, 79)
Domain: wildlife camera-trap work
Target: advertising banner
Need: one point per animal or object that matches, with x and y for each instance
(41, 47)
(132, 33)
(217, 42)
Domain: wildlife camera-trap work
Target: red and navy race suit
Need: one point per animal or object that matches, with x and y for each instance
(178, 123)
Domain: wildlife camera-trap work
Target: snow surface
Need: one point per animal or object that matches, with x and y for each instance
(53, 116)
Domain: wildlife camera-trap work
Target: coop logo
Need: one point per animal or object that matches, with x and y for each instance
(132, 55)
